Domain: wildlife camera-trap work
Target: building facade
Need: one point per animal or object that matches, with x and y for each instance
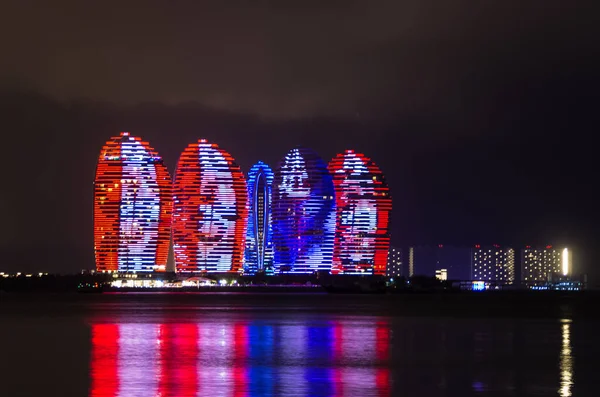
(431, 261)
(395, 264)
(259, 236)
(303, 213)
(363, 206)
(132, 207)
(540, 264)
(209, 210)
(494, 263)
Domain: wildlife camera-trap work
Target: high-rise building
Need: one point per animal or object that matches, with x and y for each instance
(363, 206)
(494, 263)
(259, 236)
(394, 263)
(303, 213)
(430, 260)
(210, 210)
(538, 265)
(132, 207)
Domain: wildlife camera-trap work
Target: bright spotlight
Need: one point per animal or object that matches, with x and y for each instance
(565, 262)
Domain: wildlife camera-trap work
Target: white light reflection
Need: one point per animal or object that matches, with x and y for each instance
(566, 361)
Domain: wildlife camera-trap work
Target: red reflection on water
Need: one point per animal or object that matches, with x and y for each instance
(338, 349)
(104, 366)
(240, 357)
(382, 347)
(178, 358)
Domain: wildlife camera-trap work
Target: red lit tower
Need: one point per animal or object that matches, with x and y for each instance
(210, 210)
(363, 202)
(132, 207)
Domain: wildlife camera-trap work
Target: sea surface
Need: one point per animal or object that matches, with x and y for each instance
(289, 345)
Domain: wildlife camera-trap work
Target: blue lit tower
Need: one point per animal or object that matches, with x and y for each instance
(303, 213)
(259, 235)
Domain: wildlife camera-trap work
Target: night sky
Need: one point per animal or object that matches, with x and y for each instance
(482, 114)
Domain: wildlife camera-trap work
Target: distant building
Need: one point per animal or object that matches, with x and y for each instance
(441, 274)
(394, 263)
(428, 260)
(539, 265)
(494, 263)
(411, 262)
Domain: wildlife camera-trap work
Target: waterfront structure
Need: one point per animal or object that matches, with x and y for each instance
(441, 274)
(494, 263)
(132, 207)
(430, 260)
(394, 263)
(303, 213)
(363, 206)
(259, 236)
(210, 210)
(539, 265)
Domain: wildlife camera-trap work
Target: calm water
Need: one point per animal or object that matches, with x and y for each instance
(172, 347)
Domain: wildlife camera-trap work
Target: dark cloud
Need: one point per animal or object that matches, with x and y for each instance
(290, 58)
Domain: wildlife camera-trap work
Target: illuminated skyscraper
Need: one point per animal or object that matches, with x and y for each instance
(210, 212)
(494, 263)
(259, 237)
(363, 206)
(540, 264)
(303, 213)
(132, 207)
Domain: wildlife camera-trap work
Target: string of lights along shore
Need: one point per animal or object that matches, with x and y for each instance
(303, 217)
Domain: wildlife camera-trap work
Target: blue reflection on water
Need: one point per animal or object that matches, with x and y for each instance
(318, 372)
(260, 371)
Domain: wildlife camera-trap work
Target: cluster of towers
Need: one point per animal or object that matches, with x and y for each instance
(305, 216)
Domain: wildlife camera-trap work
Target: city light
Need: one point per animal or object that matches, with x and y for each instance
(494, 265)
(565, 262)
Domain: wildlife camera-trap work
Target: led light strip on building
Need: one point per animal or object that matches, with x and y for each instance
(132, 207)
(303, 213)
(210, 210)
(363, 202)
(259, 236)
